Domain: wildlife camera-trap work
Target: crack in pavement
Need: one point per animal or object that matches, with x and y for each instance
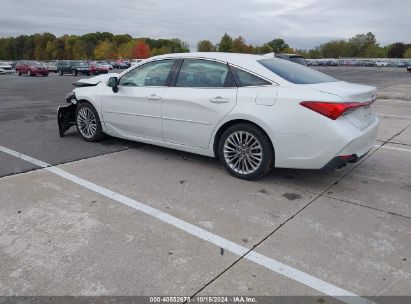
(368, 207)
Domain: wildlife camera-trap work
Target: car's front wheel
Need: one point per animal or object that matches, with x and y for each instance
(246, 151)
(88, 122)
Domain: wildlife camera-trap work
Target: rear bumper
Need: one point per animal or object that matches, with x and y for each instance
(341, 161)
(321, 150)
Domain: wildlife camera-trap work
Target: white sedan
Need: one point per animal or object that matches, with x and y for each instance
(6, 68)
(252, 112)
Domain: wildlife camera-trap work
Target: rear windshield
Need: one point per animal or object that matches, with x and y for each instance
(298, 59)
(295, 73)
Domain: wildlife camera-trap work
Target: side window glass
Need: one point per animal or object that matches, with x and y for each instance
(151, 74)
(245, 79)
(195, 73)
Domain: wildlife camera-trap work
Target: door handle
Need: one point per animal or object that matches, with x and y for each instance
(219, 99)
(153, 97)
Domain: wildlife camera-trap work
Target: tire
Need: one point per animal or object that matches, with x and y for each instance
(45, 75)
(18, 73)
(246, 151)
(74, 73)
(29, 73)
(86, 118)
(60, 72)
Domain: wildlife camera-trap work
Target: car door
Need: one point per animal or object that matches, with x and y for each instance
(24, 68)
(135, 110)
(254, 88)
(203, 93)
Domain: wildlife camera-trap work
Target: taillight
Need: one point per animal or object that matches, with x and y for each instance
(333, 110)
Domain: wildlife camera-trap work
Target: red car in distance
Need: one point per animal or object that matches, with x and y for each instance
(31, 68)
(96, 68)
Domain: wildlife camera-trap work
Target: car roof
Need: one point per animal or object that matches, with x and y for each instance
(227, 57)
(247, 62)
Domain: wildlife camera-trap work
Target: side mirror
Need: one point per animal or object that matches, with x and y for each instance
(113, 83)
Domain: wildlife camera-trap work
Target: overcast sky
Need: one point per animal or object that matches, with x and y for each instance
(302, 23)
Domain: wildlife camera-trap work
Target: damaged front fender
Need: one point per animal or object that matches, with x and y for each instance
(66, 117)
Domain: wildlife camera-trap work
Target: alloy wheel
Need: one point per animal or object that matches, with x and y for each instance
(86, 122)
(243, 152)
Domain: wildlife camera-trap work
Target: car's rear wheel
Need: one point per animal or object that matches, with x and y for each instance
(60, 72)
(88, 122)
(246, 151)
(30, 73)
(18, 73)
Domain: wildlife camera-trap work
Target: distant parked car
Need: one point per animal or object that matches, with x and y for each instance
(119, 64)
(348, 62)
(96, 68)
(52, 66)
(5, 68)
(31, 68)
(402, 64)
(368, 63)
(73, 67)
(409, 68)
(105, 64)
(328, 62)
(381, 63)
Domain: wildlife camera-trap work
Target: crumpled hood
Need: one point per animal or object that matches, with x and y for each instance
(93, 81)
(350, 92)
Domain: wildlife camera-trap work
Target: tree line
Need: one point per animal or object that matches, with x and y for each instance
(97, 46)
(361, 45)
(105, 45)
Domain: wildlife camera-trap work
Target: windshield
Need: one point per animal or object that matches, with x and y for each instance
(78, 63)
(295, 73)
(36, 64)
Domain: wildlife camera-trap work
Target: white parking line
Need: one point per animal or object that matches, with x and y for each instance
(392, 148)
(393, 116)
(269, 263)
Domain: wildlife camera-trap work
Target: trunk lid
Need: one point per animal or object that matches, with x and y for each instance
(349, 92)
(360, 117)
